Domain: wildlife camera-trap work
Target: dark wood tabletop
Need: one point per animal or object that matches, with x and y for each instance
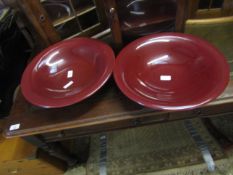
(108, 109)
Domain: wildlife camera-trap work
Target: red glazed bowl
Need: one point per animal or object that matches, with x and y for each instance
(67, 72)
(171, 71)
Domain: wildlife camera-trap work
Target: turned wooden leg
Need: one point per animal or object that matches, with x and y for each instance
(54, 149)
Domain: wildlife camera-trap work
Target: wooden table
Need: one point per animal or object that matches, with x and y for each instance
(107, 110)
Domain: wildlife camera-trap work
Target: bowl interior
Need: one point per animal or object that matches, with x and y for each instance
(70, 70)
(173, 71)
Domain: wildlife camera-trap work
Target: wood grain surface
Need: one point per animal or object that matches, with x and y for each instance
(108, 109)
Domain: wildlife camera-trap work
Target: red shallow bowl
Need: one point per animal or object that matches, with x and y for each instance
(67, 72)
(171, 71)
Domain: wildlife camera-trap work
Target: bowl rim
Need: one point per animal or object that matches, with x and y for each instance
(46, 102)
(141, 100)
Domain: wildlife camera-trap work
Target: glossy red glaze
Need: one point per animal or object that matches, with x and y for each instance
(67, 72)
(171, 71)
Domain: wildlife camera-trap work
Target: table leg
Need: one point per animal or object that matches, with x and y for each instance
(53, 149)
